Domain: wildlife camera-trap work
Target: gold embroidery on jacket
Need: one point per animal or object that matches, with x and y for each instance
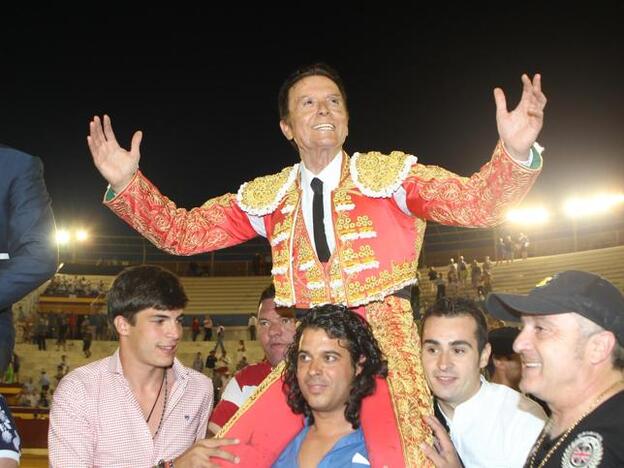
(394, 328)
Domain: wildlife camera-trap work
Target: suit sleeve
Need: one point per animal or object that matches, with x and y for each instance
(481, 200)
(33, 254)
(217, 224)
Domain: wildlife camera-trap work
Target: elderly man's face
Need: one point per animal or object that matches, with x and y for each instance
(552, 349)
(317, 115)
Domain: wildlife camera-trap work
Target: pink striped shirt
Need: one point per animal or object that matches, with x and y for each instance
(96, 421)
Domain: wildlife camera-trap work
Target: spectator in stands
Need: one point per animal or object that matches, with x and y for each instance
(44, 399)
(487, 282)
(64, 364)
(487, 264)
(27, 256)
(504, 366)
(452, 287)
(499, 250)
(242, 363)
(508, 246)
(252, 323)
(59, 374)
(211, 361)
(452, 265)
(432, 274)
(220, 338)
(523, 245)
(490, 424)
(44, 381)
(195, 326)
(87, 337)
(198, 362)
(223, 363)
(10, 443)
(462, 271)
(61, 332)
(330, 369)
(440, 287)
(207, 328)
(165, 406)
(475, 274)
(572, 349)
(72, 324)
(276, 328)
(28, 395)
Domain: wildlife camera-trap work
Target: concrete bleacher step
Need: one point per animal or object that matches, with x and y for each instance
(521, 276)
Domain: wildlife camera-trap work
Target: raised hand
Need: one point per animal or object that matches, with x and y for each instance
(116, 164)
(519, 128)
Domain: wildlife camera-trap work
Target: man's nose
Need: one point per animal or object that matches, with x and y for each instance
(444, 361)
(521, 343)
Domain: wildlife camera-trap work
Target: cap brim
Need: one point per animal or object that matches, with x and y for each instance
(510, 307)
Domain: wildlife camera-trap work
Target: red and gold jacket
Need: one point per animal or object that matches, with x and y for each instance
(377, 243)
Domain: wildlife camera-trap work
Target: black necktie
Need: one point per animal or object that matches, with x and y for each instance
(322, 249)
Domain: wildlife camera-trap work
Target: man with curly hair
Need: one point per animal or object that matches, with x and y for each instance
(330, 368)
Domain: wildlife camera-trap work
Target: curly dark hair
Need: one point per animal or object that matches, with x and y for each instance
(356, 336)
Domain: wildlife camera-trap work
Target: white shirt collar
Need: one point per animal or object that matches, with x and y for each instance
(470, 401)
(330, 175)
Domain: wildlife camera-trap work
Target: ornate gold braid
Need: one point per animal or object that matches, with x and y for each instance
(395, 330)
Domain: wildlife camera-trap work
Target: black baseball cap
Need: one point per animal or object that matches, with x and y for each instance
(584, 293)
(501, 339)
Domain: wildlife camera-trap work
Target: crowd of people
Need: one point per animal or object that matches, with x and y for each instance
(348, 378)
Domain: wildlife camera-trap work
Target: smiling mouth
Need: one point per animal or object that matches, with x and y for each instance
(445, 379)
(531, 365)
(325, 127)
(315, 388)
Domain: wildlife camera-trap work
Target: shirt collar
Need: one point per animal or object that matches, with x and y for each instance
(115, 367)
(330, 175)
(473, 399)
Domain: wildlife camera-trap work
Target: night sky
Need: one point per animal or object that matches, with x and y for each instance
(202, 82)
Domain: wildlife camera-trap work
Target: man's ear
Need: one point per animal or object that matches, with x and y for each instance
(359, 366)
(121, 325)
(485, 355)
(286, 130)
(600, 346)
(498, 362)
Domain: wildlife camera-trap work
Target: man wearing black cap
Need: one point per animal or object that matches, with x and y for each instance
(504, 366)
(572, 349)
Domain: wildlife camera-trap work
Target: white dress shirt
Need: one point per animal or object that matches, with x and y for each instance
(495, 428)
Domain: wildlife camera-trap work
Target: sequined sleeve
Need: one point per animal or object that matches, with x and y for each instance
(481, 200)
(218, 223)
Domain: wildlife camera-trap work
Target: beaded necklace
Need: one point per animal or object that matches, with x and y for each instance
(554, 448)
(162, 415)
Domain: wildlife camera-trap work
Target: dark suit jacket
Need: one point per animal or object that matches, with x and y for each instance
(28, 251)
